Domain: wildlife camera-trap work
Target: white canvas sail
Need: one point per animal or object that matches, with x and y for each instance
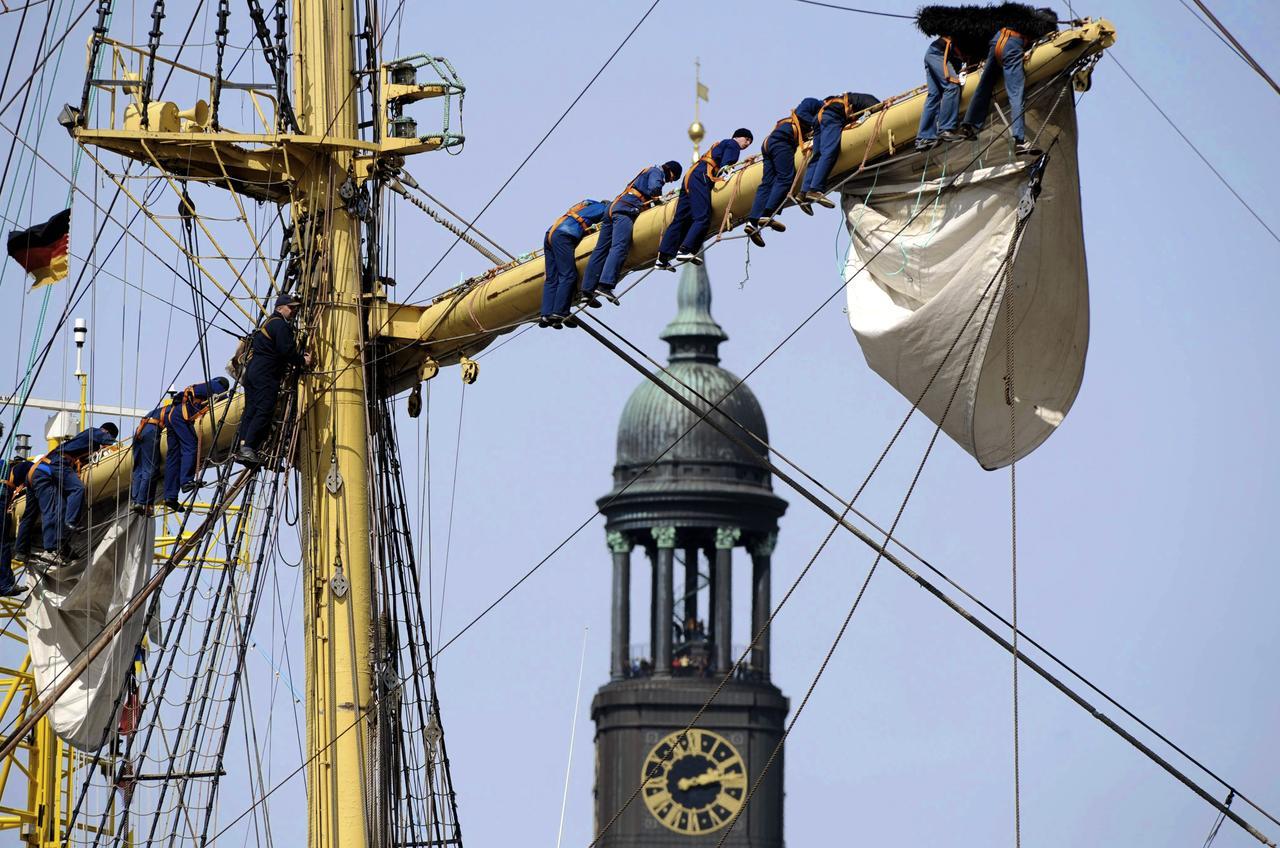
(915, 298)
(70, 607)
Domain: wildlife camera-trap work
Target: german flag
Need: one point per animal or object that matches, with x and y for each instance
(42, 250)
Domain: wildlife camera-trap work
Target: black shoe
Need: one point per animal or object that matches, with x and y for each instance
(1025, 148)
(569, 321)
(923, 144)
(969, 131)
(590, 300)
(686, 256)
(246, 456)
(773, 224)
(78, 527)
(543, 322)
(11, 588)
(138, 509)
(172, 505)
(951, 136)
(556, 321)
(819, 198)
(190, 486)
(607, 293)
(663, 264)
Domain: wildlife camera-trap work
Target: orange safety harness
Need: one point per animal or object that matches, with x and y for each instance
(572, 213)
(831, 101)
(946, 55)
(631, 189)
(711, 170)
(791, 119)
(1005, 35)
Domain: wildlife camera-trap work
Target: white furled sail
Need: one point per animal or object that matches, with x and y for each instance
(70, 607)
(931, 287)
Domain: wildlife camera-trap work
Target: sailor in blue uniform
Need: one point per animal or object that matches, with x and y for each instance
(274, 349)
(146, 457)
(558, 249)
(683, 237)
(605, 265)
(1019, 26)
(942, 65)
(836, 113)
(55, 482)
(15, 479)
(779, 151)
(184, 447)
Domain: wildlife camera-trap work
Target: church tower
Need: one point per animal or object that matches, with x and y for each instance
(704, 519)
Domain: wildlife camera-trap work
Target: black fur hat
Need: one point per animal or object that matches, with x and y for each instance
(971, 27)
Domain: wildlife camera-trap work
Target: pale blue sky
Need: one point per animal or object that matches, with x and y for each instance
(1145, 541)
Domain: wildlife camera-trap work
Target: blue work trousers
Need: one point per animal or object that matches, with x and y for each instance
(27, 526)
(6, 548)
(826, 147)
(1008, 65)
(561, 271)
(688, 227)
(261, 391)
(180, 461)
(605, 265)
(779, 174)
(942, 104)
(146, 457)
(61, 496)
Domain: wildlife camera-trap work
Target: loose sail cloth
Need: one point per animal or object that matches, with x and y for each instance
(42, 250)
(931, 287)
(70, 607)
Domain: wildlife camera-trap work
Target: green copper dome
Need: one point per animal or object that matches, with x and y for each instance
(702, 473)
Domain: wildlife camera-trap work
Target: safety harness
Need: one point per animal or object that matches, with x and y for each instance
(793, 121)
(710, 162)
(1005, 35)
(946, 55)
(572, 213)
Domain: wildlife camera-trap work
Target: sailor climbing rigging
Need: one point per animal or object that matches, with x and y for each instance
(55, 482)
(683, 237)
(559, 246)
(1015, 26)
(180, 464)
(779, 153)
(837, 112)
(15, 480)
(274, 348)
(610, 254)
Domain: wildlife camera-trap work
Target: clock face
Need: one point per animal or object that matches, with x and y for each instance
(696, 781)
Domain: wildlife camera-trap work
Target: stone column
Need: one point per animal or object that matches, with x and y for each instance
(761, 601)
(690, 607)
(726, 538)
(663, 608)
(620, 658)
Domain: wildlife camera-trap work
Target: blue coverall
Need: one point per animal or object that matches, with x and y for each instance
(13, 480)
(180, 463)
(688, 227)
(832, 118)
(942, 103)
(1004, 58)
(780, 158)
(274, 350)
(55, 481)
(146, 455)
(559, 245)
(605, 265)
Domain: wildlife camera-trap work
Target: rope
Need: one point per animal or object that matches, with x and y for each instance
(1010, 398)
(399, 189)
(859, 11)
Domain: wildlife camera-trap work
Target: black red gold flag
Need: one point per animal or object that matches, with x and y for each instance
(42, 249)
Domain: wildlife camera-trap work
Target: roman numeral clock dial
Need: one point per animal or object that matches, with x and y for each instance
(695, 782)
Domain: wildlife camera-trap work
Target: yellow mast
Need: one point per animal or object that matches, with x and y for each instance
(332, 446)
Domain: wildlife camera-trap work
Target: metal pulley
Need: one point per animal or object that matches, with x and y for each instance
(333, 480)
(470, 370)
